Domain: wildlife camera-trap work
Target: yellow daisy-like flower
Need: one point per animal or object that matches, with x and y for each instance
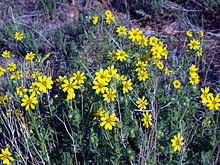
(2, 71)
(160, 65)
(18, 35)
(12, 67)
(135, 34)
(108, 13)
(167, 71)
(193, 69)
(142, 103)
(29, 56)
(113, 55)
(112, 72)
(121, 55)
(189, 33)
(6, 54)
(79, 77)
(60, 81)
(100, 86)
(17, 75)
(194, 79)
(140, 66)
(176, 84)
(200, 33)
(194, 44)
(100, 112)
(36, 75)
(214, 102)
(143, 76)
(153, 41)
(121, 30)
(102, 74)
(142, 41)
(109, 18)
(21, 90)
(29, 101)
(177, 142)
(110, 95)
(199, 52)
(127, 86)
(45, 83)
(95, 19)
(69, 85)
(147, 119)
(71, 95)
(35, 88)
(5, 156)
(108, 122)
(206, 95)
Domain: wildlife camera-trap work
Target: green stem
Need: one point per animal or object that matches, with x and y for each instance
(108, 136)
(82, 102)
(37, 131)
(182, 117)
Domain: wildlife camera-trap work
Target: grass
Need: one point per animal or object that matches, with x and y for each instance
(61, 127)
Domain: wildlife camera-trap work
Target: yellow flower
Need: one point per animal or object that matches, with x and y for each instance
(193, 69)
(201, 33)
(142, 103)
(194, 79)
(29, 56)
(45, 83)
(71, 95)
(132, 157)
(100, 112)
(189, 33)
(194, 44)
(123, 78)
(177, 142)
(121, 55)
(110, 95)
(113, 55)
(142, 41)
(108, 13)
(35, 88)
(109, 18)
(108, 122)
(147, 119)
(176, 84)
(112, 72)
(95, 19)
(157, 51)
(29, 101)
(47, 56)
(100, 86)
(79, 77)
(69, 85)
(36, 75)
(142, 76)
(206, 95)
(140, 66)
(5, 156)
(121, 30)
(153, 41)
(102, 74)
(2, 71)
(6, 54)
(199, 52)
(21, 90)
(127, 86)
(60, 81)
(214, 102)
(4, 100)
(16, 74)
(168, 71)
(134, 34)
(160, 64)
(18, 35)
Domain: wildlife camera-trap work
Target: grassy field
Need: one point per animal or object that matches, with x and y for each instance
(109, 82)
